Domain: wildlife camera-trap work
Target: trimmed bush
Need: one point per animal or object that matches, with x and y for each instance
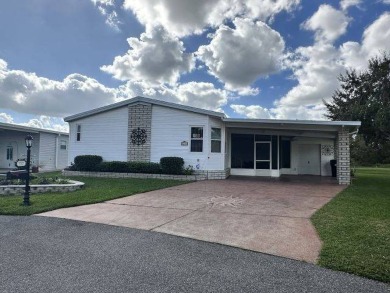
(130, 167)
(172, 165)
(114, 166)
(144, 167)
(87, 162)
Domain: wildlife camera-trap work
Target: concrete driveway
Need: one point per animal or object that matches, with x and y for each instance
(262, 215)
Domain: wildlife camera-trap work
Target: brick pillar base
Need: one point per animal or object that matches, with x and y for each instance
(343, 158)
(140, 116)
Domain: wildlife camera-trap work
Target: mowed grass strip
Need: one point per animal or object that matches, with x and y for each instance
(95, 190)
(355, 226)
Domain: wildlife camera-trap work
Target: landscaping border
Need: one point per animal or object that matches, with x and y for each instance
(198, 176)
(41, 188)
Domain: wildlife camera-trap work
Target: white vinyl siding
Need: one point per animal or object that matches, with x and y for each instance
(47, 151)
(104, 134)
(171, 136)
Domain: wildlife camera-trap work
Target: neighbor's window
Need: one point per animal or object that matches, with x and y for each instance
(197, 139)
(78, 136)
(215, 140)
(10, 153)
(63, 145)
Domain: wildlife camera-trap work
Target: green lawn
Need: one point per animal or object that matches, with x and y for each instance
(355, 226)
(95, 190)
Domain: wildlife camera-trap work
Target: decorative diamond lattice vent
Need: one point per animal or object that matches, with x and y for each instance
(138, 136)
(327, 150)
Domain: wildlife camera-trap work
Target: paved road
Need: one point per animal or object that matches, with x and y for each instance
(39, 254)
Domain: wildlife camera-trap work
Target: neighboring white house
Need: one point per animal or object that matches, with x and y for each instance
(48, 152)
(143, 129)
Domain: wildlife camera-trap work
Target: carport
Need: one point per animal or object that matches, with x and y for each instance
(264, 147)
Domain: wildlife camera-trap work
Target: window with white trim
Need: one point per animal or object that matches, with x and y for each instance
(215, 140)
(10, 153)
(196, 139)
(78, 134)
(63, 145)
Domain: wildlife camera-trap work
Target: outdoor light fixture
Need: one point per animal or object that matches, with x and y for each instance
(28, 140)
(26, 197)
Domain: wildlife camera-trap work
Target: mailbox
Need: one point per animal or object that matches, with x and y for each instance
(20, 174)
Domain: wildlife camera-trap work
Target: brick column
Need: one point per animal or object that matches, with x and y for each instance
(343, 158)
(140, 116)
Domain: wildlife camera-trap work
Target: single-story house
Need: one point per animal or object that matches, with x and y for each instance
(48, 152)
(144, 129)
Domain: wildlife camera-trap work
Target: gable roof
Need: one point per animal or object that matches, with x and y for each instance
(142, 100)
(16, 127)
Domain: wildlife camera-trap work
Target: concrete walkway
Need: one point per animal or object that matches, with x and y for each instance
(261, 215)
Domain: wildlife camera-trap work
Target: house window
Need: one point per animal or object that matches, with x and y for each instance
(10, 153)
(196, 139)
(215, 140)
(78, 135)
(63, 145)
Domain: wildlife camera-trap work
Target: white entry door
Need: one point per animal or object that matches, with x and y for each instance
(309, 159)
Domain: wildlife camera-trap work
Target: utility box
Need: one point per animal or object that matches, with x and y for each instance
(14, 175)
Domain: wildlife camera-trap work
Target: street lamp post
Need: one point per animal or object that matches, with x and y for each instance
(26, 197)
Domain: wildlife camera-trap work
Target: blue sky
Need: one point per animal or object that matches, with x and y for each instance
(254, 58)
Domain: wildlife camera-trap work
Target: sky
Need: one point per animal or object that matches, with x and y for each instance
(276, 59)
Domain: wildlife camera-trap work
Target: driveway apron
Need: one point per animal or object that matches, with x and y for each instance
(267, 216)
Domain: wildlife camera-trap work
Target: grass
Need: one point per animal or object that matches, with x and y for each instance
(95, 190)
(355, 226)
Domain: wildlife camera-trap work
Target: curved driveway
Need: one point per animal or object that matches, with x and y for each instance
(267, 216)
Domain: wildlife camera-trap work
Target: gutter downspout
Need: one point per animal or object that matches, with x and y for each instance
(56, 164)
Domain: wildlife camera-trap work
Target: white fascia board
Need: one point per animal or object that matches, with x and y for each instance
(22, 128)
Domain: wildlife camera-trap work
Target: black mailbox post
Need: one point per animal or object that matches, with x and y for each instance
(26, 197)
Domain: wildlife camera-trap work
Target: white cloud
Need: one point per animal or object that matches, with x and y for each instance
(317, 67)
(157, 57)
(47, 122)
(376, 40)
(345, 4)
(107, 9)
(4, 117)
(238, 56)
(386, 1)
(328, 23)
(186, 17)
(252, 111)
(28, 93)
(197, 94)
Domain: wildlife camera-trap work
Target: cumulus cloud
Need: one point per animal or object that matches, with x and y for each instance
(197, 94)
(345, 4)
(46, 122)
(28, 93)
(107, 9)
(156, 57)
(240, 55)
(4, 117)
(252, 111)
(186, 17)
(376, 39)
(328, 23)
(317, 67)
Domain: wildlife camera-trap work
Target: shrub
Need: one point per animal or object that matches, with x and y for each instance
(114, 166)
(87, 162)
(130, 167)
(172, 165)
(144, 167)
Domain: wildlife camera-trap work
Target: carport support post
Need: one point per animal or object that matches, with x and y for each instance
(343, 157)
